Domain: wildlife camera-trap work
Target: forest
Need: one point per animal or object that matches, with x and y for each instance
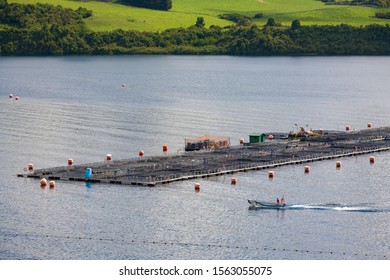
(44, 29)
(377, 3)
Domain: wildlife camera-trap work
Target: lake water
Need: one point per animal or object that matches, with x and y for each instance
(86, 107)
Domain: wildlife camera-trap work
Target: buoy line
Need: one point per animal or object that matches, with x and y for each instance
(191, 244)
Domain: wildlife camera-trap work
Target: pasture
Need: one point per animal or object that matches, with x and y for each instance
(109, 16)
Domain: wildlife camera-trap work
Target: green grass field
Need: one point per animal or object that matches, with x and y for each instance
(109, 16)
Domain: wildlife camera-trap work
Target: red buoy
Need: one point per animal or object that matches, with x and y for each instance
(70, 162)
(52, 184)
(338, 164)
(165, 148)
(197, 187)
(43, 182)
(141, 153)
(307, 169)
(108, 157)
(270, 137)
(30, 166)
(233, 181)
(372, 159)
(271, 174)
(369, 125)
(241, 141)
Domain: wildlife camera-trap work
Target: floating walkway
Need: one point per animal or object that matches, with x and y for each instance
(151, 171)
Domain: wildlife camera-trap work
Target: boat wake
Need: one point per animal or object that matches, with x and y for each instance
(338, 207)
(364, 207)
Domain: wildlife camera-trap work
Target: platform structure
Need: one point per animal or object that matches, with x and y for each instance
(155, 170)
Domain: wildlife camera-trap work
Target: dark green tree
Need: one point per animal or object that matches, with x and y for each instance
(271, 22)
(295, 24)
(200, 22)
(3, 3)
(258, 15)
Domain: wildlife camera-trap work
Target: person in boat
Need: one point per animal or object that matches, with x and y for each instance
(282, 200)
(277, 200)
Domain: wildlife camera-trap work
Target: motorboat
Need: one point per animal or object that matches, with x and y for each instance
(266, 204)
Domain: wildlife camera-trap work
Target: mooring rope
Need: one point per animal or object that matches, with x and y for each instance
(191, 244)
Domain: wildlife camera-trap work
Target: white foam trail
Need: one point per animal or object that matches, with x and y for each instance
(335, 208)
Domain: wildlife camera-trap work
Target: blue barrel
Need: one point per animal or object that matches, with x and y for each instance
(88, 173)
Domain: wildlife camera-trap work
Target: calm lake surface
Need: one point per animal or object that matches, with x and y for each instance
(86, 107)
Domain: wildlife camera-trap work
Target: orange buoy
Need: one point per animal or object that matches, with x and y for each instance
(307, 169)
(233, 181)
(369, 125)
(165, 148)
(43, 182)
(372, 159)
(30, 166)
(52, 184)
(197, 187)
(108, 157)
(338, 164)
(347, 128)
(241, 141)
(271, 174)
(70, 162)
(270, 137)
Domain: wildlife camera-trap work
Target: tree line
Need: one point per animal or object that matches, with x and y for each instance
(150, 4)
(44, 29)
(377, 3)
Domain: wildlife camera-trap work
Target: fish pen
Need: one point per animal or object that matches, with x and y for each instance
(154, 170)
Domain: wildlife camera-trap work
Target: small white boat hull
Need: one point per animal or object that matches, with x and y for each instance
(264, 204)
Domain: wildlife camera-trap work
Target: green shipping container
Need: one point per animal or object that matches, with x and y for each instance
(256, 138)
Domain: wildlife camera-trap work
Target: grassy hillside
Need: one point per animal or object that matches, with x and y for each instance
(109, 16)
